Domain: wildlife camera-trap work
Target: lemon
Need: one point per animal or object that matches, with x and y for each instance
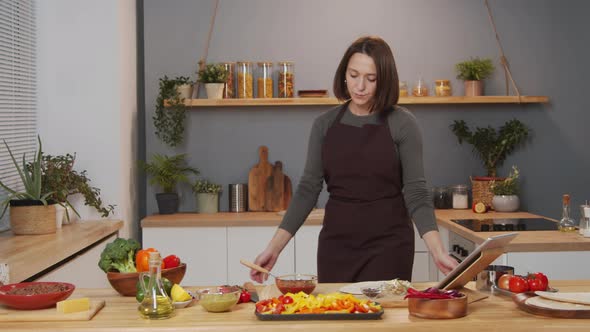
(179, 294)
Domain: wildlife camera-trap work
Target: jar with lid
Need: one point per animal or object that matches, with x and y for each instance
(264, 80)
(229, 86)
(245, 80)
(460, 197)
(420, 88)
(286, 79)
(584, 226)
(403, 88)
(441, 198)
(442, 88)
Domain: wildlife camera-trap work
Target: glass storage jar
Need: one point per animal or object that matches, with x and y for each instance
(403, 89)
(264, 80)
(442, 198)
(229, 88)
(460, 197)
(245, 80)
(442, 88)
(420, 88)
(286, 79)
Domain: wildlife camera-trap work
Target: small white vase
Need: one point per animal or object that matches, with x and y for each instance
(505, 203)
(60, 212)
(207, 202)
(185, 90)
(214, 90)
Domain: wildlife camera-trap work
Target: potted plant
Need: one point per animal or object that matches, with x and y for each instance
(31, 210)
(184, 87)
(506, 193)
(492, 147)
(207, 195)
(61, 179)
(170, 111)
(473, 72)
(167, 172)
(213, 76)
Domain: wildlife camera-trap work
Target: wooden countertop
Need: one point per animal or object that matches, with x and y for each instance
(27, 255)
(525, 242)
(491, 314)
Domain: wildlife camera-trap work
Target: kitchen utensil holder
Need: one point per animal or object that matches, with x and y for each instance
(238, 197)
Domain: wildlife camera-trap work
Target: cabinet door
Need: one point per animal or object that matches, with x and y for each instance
(306, 249)
(203, 249)
(421, 270)
(247, 243)
(83, 270)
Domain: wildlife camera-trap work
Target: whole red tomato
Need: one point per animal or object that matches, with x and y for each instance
(244, 297)
(543, 281)
(536, 285)
(518, 284)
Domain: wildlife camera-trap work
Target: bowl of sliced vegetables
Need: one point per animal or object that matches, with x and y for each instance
(434, 303)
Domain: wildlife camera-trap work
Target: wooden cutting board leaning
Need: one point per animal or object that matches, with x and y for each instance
(49, 314)
(269, 189)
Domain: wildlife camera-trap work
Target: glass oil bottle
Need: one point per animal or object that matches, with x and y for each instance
(155, 304)
(566, 224)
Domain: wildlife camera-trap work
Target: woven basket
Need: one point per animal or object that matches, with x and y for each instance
(480, 189)
(33, 220)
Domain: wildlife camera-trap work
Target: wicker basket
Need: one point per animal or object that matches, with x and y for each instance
(33, 220)
(480, 189)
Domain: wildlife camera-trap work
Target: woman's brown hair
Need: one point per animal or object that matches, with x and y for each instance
(387, 90)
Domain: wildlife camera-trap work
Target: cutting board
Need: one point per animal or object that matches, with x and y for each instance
(275, 189)
(49, 314)
(257, 181)
(288, 193)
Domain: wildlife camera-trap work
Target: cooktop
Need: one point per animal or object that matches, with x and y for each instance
(507, 225)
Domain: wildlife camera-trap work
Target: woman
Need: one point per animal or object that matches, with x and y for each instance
(369, 152)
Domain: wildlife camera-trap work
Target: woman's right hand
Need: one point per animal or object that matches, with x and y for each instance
(267, 260)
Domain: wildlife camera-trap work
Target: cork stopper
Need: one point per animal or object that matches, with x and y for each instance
(566, 199)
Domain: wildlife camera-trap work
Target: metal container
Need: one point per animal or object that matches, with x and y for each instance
(489, 277)
(238, 197)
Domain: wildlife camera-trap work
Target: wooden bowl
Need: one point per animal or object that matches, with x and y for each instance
(438, 308)
(126, 283)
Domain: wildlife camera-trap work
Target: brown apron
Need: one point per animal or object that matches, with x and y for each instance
(367, 234)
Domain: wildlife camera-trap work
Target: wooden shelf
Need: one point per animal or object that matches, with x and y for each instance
(334, 101)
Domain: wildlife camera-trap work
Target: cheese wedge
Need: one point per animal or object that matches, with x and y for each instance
(73, 305)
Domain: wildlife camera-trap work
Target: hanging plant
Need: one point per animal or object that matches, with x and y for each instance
(169, 120)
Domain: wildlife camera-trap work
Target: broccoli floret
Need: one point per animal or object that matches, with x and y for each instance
(119, 255)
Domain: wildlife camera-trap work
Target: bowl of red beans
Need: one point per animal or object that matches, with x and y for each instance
(35, 295)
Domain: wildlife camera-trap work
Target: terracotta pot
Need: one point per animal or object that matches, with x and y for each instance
(473, 88)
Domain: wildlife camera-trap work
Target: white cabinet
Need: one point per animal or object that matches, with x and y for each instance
(306, 249)
(82, 270)
(557, 265)
(203, 249)
(247, 243)
(421, 269)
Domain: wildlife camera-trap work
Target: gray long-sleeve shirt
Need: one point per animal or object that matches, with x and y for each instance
(408, 139)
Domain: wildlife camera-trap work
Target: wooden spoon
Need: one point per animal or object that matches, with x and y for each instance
(256, 267)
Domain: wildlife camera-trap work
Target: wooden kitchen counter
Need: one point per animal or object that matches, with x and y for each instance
(496, 313)
(534, 241)
(27, 255)
(525, 242)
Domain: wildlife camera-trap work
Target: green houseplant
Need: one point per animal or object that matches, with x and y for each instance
(506, 192)
(473, 72)
(492, 147)
(31, 210)
(207, 195)
(169, 118)
(166, 173)
(213, 76)
(62, 180)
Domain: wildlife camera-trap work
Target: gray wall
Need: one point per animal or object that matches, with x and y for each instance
(545, 41)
